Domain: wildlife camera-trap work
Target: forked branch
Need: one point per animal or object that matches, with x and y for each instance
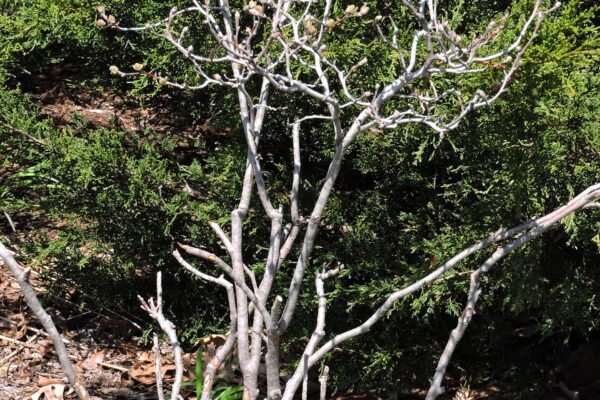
(526, 232)
(257, 48)
(155, 311)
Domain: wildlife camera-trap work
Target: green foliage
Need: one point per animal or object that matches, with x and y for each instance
(220, 392)
(113, 203)
(105, 207)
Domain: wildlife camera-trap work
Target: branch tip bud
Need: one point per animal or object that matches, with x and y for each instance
(113, 69)
(138, 66)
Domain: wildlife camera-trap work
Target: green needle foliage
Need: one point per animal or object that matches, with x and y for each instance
(100, 208)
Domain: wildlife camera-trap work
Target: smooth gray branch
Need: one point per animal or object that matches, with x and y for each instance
(540, 226)
(22, 277)
(155, 311)
(529, 230)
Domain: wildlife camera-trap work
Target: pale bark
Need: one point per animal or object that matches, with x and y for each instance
(323, 381)
(155, 311)
(527, 231)
(22, 277)
(539, 226)
(157, 367)
(263, 47)
(226, 349)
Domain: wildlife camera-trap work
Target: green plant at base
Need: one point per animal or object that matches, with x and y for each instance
(227, 392)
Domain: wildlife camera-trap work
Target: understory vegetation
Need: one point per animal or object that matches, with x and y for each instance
(101, 177)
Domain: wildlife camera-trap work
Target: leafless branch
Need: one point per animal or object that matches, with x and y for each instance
(542, 224)
(157, 368)
(155, 311)
(221, 354)
(528, 231)
(22, 277)
(323, 380)
(263, 42)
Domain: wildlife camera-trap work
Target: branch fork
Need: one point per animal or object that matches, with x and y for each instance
(418, 94)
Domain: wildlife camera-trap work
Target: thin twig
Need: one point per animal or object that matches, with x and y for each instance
(18, 342)
(112, 366)
(22, 132)
(29, 328)
(16, 351)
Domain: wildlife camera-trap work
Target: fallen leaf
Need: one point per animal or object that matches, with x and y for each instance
(15, 330)
(144, 371)
(50, 392)
(92, 360)
(44, 381)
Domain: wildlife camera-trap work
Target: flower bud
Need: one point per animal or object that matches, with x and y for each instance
(330, 23)
(101, 23)
(351, 9)
(111, 19)
(162, 80)
(138, 66)
(252, 4)
(364, 10)
(101, 9)
(113, 69)
(378, 18)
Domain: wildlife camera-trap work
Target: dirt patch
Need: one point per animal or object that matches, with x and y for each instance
(102, 344)
(62, 100)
